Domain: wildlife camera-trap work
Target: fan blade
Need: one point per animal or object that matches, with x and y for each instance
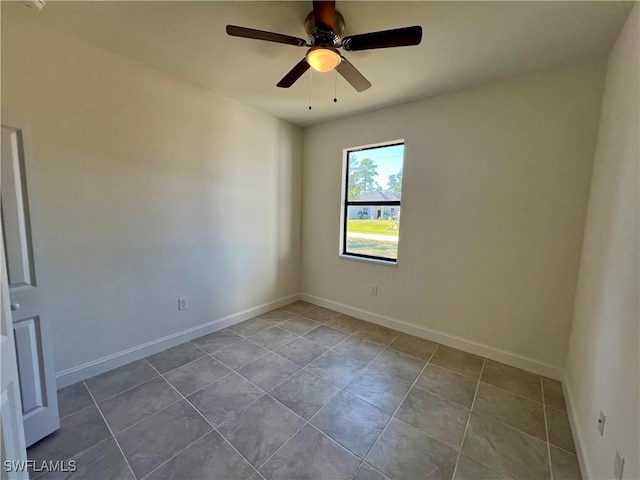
(294, 74)
(324, 14)
(399, 37)
(244, 32)
(352, 75)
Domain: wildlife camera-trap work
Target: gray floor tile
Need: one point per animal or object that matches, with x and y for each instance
(301, 351)
(175, 357)
(120, 379)
(448, 385)
(336, 368)
(512, 379)
(397, 365)
(359, 349)
(383, 391)
(414, 346)
(345, 323)
(469, 469)
(366, 472)
(377, 334)
(304, 393)
(559, 429)
(513, 410)
(210, 457)
(250, 327)
(275, 317)
(298, 307)
(352, 422)
(321, 314)
(221, 400)
(217, 340)
(103, 461)
(240, 354)
(268, 371)
(195, 375)
(73, 398)
(443, 420)
(458, 361)
(328, 462)
(326, 336)
(273, 338)
(404, 452)
(77, 433)
(564, 465)
(505, 450)
(495, 446)
(553, 395)
(299, 325)
(160, 436)
(261, 429)
(138, 403)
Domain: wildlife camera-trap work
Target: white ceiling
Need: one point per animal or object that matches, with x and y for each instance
(464, 44)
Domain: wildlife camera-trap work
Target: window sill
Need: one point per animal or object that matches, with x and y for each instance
(388, 263)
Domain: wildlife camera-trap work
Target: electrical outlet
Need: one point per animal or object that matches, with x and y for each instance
(182, 303)
(601, 421)
(374, 291)
(618, 466)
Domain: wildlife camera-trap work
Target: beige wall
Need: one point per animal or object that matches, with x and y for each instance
(496, 180)
(603, 364)
(148, 189)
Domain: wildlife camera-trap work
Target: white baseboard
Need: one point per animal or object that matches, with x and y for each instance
(576, 431)
(487, 351)
(104, 364)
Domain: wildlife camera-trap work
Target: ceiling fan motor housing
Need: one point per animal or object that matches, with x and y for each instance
(318, 36)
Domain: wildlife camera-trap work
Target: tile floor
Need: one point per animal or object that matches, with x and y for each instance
(308, 393)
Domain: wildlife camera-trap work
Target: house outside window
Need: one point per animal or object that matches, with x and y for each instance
(372, 192)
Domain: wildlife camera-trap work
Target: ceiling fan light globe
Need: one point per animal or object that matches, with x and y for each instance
(323, 59)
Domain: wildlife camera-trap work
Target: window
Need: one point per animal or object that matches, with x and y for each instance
(372, 191)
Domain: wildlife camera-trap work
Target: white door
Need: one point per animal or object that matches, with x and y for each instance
(30, 323)
(12, 446)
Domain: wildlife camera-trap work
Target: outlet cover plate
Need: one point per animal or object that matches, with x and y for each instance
(182, 303)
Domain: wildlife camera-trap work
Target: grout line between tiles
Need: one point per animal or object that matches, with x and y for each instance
(512, 393)
(210, 424)
(392, 416)
(308, 422)
(466, 427)
(126, 389)
(77, 411)
(168, 405)
(374, 469)
(112, 434)
(281, 446)
(456, 371)
(184, 364)
(174, 456)
(511, 427)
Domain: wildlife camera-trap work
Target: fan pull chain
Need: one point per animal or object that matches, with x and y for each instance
(335, 88)
(310, 85)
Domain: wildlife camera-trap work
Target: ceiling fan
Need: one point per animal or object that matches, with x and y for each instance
(325, 25)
